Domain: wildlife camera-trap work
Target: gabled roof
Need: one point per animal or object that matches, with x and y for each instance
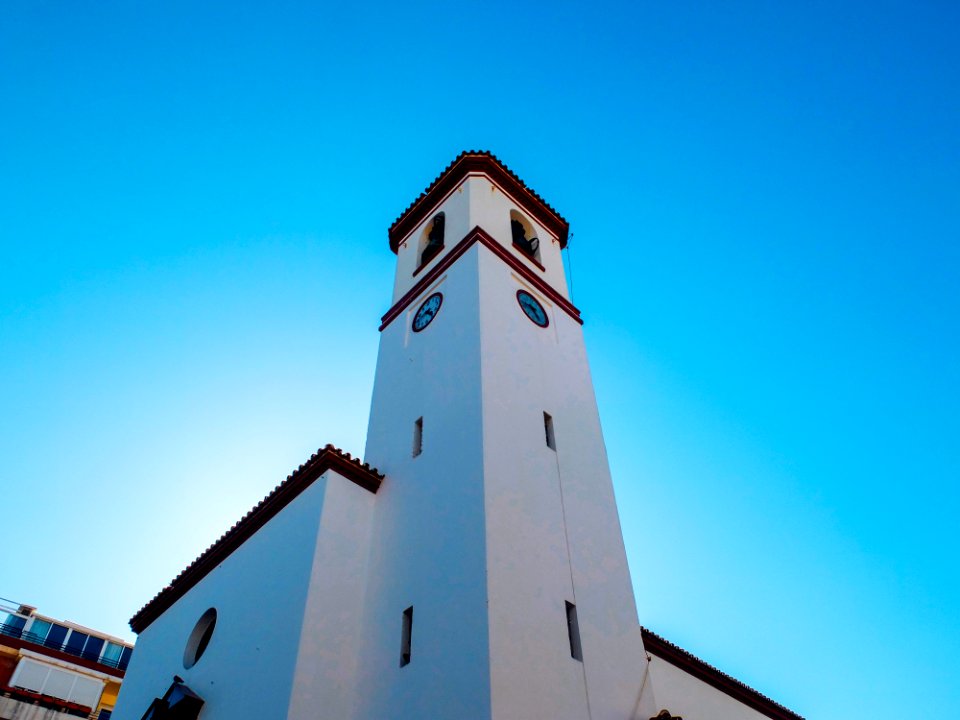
(692, 665)
(471, 161)
(328, 458)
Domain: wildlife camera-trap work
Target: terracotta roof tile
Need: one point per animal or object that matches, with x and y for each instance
(465, 162)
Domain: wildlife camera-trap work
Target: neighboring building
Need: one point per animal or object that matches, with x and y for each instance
(50, 668)
(480, 573)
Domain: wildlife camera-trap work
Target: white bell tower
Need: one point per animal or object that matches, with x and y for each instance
(497, 584)
(477, 572)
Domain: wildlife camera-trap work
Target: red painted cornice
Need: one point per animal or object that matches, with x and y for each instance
(329, 458)
(478, 235)
(477, 161)
(692, 665)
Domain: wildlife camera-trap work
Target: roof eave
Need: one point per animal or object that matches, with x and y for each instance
(327, 458)
(468, 162)
(694, 666)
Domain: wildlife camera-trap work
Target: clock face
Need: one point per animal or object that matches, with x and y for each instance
(532, 308)
(427, 312)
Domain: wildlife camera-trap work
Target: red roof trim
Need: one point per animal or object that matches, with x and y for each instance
(481, 161)
(329, 458)
(21, 644)
(692, 665)
(478, 235)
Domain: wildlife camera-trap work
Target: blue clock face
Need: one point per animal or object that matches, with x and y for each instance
(427, 312)
(532, 308)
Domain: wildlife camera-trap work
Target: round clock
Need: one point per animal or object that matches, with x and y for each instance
(427, 312)
(532, 308)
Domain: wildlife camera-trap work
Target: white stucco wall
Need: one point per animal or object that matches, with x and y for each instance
(260, 593)
(428, 539)
(553, 528)
(325, 677)
(692, 699)
(529, 578)
(476, 533)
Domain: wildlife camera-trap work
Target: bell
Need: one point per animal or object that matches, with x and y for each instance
(519, 234)
(520, 238)
(434, 240)
(435, 237)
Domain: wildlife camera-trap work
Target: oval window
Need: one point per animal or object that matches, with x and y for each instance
(199, 638)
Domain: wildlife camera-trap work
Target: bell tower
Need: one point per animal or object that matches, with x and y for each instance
(498, 584)
(477, 571)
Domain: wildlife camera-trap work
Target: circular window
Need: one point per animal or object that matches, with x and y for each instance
(199, 638)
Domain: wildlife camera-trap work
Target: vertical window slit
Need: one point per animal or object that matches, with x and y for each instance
(573, 631)
(548, 430)
(406, 636)
(418, 436)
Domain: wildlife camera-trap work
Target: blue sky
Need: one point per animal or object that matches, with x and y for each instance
(763, 199)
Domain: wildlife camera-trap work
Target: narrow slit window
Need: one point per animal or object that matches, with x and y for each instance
(573, 631)
(548, 431)
(418, 437)
(406, 637)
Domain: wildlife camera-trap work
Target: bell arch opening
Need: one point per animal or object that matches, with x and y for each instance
(431, 240)
(523, 236)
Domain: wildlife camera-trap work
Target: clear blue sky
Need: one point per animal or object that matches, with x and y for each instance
(764, 199)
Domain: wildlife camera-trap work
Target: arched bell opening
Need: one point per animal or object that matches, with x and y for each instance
(523, 236)
(431, 240)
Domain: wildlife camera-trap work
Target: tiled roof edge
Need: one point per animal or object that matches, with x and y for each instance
(465, 162)
(327, 458)
(690, 663)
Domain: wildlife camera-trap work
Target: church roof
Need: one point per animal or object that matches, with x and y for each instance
(692, 665)
(467, 162)
(327, 458)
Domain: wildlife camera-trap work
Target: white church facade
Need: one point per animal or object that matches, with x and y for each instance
(475, 568)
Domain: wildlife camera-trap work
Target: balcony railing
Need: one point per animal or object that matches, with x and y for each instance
(16, 632)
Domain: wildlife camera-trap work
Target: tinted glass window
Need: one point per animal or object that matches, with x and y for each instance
(125, 658)
(56, 636)
(76, 642)
(111, 655)
(13, 624)
(38, 631)
(92, 649)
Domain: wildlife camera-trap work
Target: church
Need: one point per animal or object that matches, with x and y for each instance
(472, 568)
